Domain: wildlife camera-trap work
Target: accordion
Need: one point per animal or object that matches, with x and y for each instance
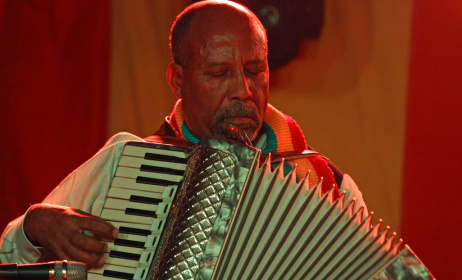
(214, 211)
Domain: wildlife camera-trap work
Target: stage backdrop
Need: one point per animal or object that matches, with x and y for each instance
(378, 93)
(54, 84)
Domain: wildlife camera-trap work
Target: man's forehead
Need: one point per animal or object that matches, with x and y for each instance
(221, 22)
(229, 41)
(223, 48)
(218, 33)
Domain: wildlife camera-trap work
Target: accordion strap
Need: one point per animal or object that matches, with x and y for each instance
(288, 156)
(169, 140)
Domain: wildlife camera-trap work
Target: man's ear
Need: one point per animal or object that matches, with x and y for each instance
(175, 78)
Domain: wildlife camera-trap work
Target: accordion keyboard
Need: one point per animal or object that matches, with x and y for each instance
(138, 201)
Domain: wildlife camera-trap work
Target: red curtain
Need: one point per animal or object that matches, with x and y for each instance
(433, 155)
(54, 71)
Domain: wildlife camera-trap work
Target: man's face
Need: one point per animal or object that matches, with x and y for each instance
(225, 82)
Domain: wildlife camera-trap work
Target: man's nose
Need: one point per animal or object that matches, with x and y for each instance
(241, 87)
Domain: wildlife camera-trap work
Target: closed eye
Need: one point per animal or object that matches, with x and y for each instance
(253, 72)
(219, 74)
(222, 74)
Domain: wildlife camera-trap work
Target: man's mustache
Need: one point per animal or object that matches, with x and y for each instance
(239, 109)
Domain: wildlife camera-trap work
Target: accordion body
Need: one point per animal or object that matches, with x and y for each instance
(214, 211)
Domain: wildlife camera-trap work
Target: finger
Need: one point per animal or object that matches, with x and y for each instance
(92, 259)
(58, 249)
(103, 229)
(66, 250)
(88, 243)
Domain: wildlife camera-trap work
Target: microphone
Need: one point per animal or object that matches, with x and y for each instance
(58, 270)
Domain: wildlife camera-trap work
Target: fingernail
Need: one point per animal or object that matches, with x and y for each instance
(115, 232)
(88, 233)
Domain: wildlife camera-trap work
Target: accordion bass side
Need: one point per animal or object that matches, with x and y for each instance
(215, 212)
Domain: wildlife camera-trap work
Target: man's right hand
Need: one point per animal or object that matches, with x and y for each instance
(61, 231)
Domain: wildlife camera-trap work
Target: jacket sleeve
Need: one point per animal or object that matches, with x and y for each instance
(347, 185)
(85, 189)
(352, 191)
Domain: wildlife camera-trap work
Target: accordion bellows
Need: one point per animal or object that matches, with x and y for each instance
(235, 218)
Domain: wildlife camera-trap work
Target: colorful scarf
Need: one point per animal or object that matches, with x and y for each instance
(283, 135)
(282, 131)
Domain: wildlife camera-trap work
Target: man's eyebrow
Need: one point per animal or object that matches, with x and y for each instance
(217, 64)
(256, 61)
(224, 64)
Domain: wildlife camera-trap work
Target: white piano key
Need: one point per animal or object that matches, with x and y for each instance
(116, 268)
(153, 241)
(139, 151)
(116, 192)
(133, 226)
(133, 237)
(97, 276)
(130, 172)
(136, 162)
(163, 209)
(144, 259)
(113, 247)
(147, 257)
(122, 204)
(139, 274)
(137, 241)
(167, 192)
(121, 262)
(119, 215)
(156, 227)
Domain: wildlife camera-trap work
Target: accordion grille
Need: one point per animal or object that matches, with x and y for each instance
(209, 178)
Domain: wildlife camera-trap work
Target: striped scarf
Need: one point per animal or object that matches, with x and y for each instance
(283, 135)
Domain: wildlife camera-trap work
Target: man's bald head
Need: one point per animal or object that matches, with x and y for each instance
(204, 15)
(220, 69)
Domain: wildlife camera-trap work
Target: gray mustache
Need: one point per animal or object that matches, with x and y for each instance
(239, 109)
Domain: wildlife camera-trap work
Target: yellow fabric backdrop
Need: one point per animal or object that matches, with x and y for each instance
(140, 95)
(347, 90)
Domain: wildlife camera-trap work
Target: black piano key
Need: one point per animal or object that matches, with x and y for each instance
(163, 170)
(117, 274)
(136, 231)
(129, 243)
(166, 158)
(124, 255)
(143, 199)
(154, 181)
(138, 212)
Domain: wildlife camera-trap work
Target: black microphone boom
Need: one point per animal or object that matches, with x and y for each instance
(58, 270)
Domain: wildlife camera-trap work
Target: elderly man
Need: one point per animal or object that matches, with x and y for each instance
(220, 75)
